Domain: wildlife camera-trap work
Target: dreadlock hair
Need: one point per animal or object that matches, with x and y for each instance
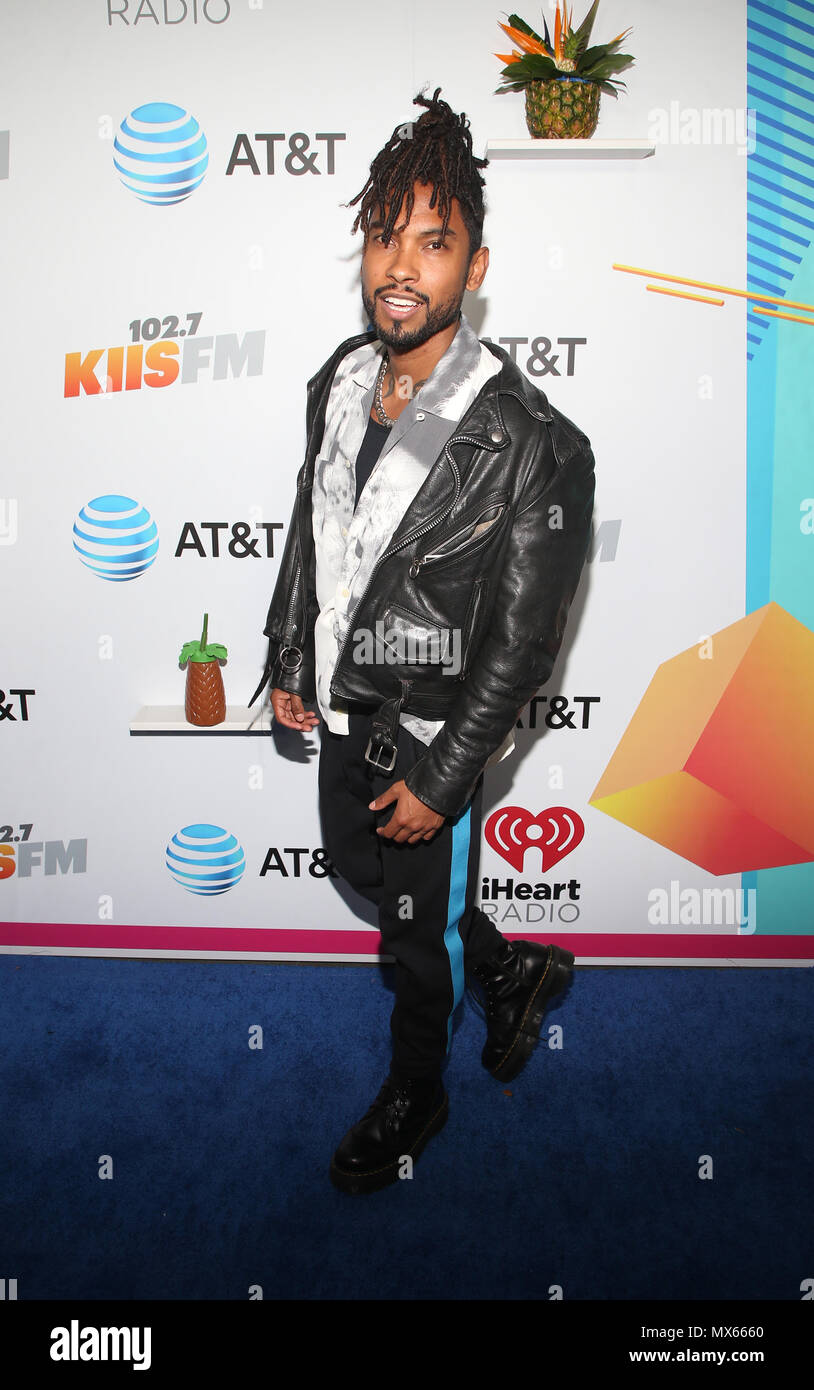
(437, 150)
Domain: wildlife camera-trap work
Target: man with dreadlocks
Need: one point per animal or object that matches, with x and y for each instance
(444, 506)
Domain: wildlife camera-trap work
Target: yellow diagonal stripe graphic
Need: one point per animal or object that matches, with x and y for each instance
(775, 314)
(721, 289)
(684, 294)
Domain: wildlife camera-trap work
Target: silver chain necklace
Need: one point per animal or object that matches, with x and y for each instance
(384, 418)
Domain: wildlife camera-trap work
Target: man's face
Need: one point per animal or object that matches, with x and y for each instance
(417, 266)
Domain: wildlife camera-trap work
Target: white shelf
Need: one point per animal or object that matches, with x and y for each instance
(170, 719)
(569, 149)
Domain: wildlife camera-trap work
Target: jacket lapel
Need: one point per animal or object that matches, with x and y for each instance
(482, 425)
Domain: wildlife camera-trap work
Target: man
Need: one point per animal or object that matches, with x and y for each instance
(441, 524)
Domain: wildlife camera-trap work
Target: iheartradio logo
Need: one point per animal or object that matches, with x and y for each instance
(511, 830)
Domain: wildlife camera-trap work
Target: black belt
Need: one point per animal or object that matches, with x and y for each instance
(382, 745)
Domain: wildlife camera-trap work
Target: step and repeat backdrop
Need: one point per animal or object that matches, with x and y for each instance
(162, 316)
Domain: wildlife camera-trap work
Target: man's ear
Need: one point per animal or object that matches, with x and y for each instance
(478, 266)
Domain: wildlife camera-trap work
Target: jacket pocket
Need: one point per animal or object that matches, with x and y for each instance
(467, 539)
(410, 640)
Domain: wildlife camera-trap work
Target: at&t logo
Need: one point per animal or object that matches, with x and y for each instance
(115, 537)
(205, 859)
(160, 153)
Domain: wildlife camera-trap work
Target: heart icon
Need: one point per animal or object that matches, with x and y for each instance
(511, 830)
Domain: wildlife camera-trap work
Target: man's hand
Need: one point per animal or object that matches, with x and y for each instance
(289, 711)
(411, 821)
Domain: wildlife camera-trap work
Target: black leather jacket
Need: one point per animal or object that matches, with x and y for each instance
(493, 544)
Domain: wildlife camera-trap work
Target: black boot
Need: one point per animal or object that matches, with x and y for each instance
(400, 1122)
(518, 983)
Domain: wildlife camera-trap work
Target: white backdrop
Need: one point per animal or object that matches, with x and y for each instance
(659, 386)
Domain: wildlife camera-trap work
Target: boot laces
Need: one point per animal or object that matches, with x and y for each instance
(484, 1010)
(394, 1097)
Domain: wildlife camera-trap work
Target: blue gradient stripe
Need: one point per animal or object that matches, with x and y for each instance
(775, 250)
(784, 193)
(778, 231)
(174, 177)
(459, 869)
(139, 539)
(162, 136)
(787, 150)
(775, 103)
(770, 34)
(179, 156)
(779, 557)
(783, 62)
(779, 81)
(775, 13)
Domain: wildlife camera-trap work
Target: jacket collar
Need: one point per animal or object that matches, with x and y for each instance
(511, 381)
(484, 418)
(450, 381)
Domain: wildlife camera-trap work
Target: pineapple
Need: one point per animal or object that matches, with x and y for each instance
(205, 703)
(557, 110)
(563, 80)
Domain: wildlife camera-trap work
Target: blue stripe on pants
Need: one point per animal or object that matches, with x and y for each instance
(455, 907)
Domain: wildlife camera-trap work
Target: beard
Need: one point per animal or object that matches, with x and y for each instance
(400, 339)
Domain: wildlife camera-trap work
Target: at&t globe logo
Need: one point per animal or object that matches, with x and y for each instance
(205, 859)
(115, 537)
(160, 153)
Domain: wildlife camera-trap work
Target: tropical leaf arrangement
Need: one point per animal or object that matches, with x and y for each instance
(202, 650)
(568, 57)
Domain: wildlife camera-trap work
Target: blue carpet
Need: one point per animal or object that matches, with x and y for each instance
(581, 1175)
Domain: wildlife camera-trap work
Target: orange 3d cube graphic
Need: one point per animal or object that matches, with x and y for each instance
(717, 762)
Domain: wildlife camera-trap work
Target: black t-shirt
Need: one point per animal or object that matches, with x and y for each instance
(372, 445)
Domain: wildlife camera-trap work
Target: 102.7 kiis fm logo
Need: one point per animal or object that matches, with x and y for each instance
(161, 352)
(22, 856)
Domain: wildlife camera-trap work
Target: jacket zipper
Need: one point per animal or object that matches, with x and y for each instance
(437, 556)
(289, 627)
(471, 633)
(303, 580)
(458, 439)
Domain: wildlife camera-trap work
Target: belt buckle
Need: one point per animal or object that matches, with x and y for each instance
(382, 743)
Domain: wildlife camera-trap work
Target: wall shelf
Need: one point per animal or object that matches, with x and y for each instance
(569, 149)
(240, 721)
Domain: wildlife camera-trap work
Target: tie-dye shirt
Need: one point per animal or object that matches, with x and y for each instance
(348, 542)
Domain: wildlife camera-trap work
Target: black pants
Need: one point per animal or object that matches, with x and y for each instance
(425, 892)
